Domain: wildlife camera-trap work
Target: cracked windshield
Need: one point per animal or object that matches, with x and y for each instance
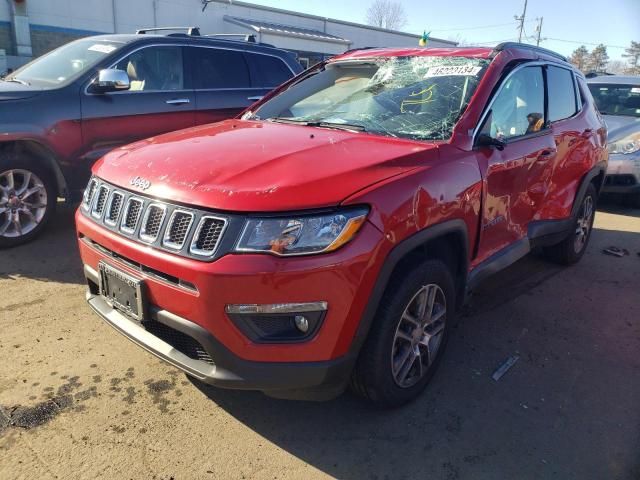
(420, 98)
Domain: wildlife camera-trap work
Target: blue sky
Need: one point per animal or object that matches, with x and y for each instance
(612, 22)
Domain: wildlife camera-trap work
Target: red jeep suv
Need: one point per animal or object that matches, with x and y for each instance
(328, 235)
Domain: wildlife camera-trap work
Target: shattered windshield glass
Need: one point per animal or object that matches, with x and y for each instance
(418, 97)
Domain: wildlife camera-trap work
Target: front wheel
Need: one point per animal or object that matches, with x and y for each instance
(407, 337)
(27, 200)
(572, 248)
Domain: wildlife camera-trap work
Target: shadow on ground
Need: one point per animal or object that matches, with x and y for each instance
(568, 409)
(52, 257)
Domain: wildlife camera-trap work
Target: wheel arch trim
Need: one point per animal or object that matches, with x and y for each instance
(395, 256)
(44, 153)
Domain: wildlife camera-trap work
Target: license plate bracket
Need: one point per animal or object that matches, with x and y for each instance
(122, 291)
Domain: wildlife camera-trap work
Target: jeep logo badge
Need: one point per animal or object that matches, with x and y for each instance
(141, 183)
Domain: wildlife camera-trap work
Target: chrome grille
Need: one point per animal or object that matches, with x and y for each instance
(179, 226)
(207, 235)
(131, 215)
(153, 217)
(183, 231)
(101, 200)
(113, 208)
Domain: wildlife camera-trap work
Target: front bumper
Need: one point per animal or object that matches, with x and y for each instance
(190, 297)
(220, 367)
(623, 174)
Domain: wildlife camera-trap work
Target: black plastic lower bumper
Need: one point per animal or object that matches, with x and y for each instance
(302, 381)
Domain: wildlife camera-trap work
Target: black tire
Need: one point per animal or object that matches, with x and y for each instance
(9, 161)
(373, 376)
(567, 251)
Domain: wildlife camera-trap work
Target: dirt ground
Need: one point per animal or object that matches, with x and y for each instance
(77, 400)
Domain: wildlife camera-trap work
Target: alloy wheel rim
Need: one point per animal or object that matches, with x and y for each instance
(23, 202)
(418, 336)
(583, 226)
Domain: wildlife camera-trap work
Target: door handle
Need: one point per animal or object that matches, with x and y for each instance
(256, 98)
(587, 133)
(178, 101)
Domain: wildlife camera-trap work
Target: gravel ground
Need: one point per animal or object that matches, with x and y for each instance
(77, 400)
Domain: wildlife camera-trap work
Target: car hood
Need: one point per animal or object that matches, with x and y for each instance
(619, 126)
(17, 91)
(259, 166)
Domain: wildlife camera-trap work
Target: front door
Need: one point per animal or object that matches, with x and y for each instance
(159, 101)
(513, 176)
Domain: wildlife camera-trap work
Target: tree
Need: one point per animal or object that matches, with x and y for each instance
(598, 59)
(617, 67)
(632, 54)
(386, 14)
(579, 57)
(459, 40)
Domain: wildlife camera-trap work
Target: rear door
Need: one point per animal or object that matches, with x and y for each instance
(572, 136)
(222, 83)
(159, 101)
(227, 81)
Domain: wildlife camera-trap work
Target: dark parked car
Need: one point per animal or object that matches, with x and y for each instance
(618, 99)
(63, 111)
(366, 199)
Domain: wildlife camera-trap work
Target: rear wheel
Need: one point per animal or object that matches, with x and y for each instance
(572, 248)
(27, 200)
(408, 336)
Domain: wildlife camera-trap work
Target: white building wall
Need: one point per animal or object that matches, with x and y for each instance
(125, 16)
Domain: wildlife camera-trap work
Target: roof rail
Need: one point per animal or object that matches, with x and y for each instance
(506, 45)
(251, 38)
(192, 31)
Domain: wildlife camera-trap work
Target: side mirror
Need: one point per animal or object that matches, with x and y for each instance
(111, 80)
(485, 140)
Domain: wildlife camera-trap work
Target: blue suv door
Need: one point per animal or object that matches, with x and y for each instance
(160, 100)
(227, 81)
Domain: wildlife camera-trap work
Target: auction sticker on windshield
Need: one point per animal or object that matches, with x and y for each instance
(444, 71)
(98, 47)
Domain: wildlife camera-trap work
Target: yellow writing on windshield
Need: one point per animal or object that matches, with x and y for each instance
(426, 94)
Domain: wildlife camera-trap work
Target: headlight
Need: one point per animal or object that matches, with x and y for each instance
(301, 235)
(629, 144)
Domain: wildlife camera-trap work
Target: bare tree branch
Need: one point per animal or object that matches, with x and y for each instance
(386, 14)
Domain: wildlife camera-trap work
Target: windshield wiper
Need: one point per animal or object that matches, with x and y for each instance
(17, 80)
(353, 127)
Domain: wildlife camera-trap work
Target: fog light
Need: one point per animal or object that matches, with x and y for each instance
(278, 322)
(302, 323)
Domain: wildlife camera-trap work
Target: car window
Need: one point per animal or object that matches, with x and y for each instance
(562, 95)
(518, 108)
(154, 68)
(66, 63)
(417, 97)
(267, 71)
(217, 68)
(614, 99)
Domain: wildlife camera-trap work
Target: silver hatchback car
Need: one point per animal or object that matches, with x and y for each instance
(618, 99)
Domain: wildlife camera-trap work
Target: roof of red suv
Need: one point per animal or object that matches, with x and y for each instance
(519, 49)
(478, 52)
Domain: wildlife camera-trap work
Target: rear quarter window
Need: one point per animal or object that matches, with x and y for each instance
(562, 94)
(267, 71)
